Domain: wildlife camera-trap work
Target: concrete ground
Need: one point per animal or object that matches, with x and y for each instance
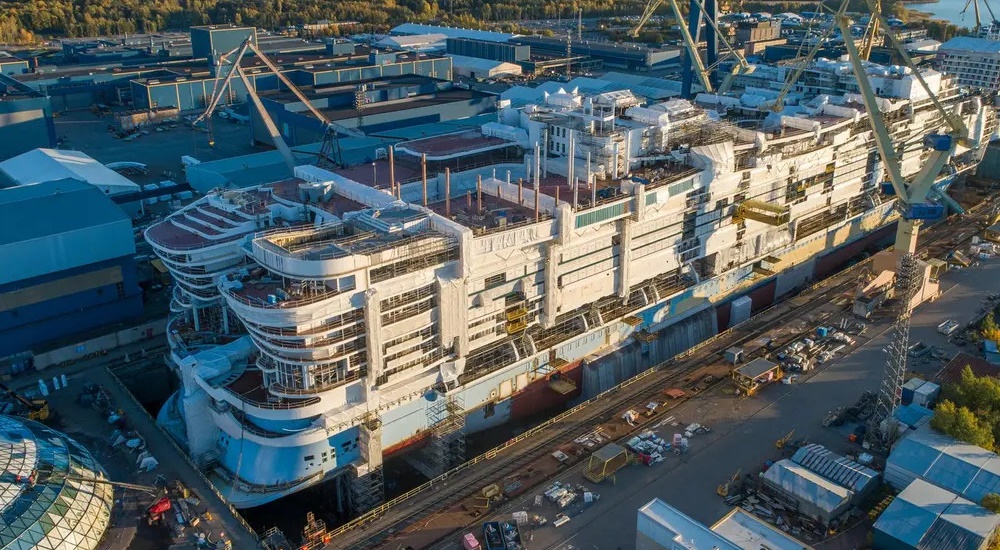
(160, 151)
(96, 432)
(744, 432)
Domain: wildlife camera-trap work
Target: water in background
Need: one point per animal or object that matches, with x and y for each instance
(950, 10)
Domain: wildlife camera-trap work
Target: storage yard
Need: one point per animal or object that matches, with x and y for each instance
(660, 415)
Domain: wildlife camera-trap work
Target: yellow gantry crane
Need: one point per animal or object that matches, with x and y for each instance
(914, 192)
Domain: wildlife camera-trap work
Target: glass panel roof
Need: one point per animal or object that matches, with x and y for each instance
(53, 512)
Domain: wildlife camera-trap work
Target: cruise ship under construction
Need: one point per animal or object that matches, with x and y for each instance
(324, 322)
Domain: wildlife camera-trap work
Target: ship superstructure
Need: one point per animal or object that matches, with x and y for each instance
(500, 284)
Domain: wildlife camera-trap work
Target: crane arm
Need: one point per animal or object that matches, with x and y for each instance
(958, 128)
(647, 13)
(871, 31)
(20, 398)
(291, 86)
(883, 141)
(692, 48)
(779, 102)
(219, 90)
(272, 129)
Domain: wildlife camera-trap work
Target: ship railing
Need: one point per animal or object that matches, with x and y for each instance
(258, 303)
(279, 405)
(203, 241)
(279, 389)
(380, 510)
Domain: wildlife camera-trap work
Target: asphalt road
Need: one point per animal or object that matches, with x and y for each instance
(744, 431)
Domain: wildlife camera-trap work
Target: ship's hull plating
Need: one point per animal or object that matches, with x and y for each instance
(524, 390)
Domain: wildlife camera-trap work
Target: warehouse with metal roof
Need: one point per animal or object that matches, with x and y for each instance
(961, 468)
(838, 469)
(928, 517)
(815, 496)
(69, 263)
(450, 32)
(476, 67)
(48, 500)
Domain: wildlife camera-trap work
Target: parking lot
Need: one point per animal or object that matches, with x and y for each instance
(160, 151)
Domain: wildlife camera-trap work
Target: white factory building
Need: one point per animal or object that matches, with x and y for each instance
(474, 67)
(976, 61)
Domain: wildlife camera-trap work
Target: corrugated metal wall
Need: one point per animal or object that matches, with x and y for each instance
(25, 124)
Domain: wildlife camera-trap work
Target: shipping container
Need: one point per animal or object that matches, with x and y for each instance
(926, 394)
(911, 386)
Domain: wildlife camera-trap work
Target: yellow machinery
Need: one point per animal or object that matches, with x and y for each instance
(723, 490)
(35, 409)
(780, 444)
(605, 462)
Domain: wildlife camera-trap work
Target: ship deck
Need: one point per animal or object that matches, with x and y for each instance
(449, 145)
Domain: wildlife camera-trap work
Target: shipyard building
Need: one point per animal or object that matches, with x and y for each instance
(25, 119)
(660, 526)
(389, 104)
(976, 61)
(68, 266)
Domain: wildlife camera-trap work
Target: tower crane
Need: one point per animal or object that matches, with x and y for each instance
(740, 67)
(872, 30)
(330, 152)
(990, 28)
(911, 194)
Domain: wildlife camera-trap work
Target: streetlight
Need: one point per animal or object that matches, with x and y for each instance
(374, 174)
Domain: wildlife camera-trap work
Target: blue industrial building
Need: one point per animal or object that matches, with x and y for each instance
(211, 40)
(925, 516)
(488, 49)
(68, 263)
(192, 92)
(390, 104)
(25, 119)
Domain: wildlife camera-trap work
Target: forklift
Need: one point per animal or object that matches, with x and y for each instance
(33, 409)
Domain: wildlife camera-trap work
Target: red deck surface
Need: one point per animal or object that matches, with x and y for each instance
(337, 205)
(215, 221)
(378, 177)
(453, 144)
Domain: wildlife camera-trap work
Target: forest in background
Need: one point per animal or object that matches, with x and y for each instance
(27, 21)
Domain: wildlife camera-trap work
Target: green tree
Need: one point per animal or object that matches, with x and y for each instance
(962, 424)
(991, 501)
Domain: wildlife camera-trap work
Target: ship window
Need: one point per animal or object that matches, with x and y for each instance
(308, 458)
(495, 280)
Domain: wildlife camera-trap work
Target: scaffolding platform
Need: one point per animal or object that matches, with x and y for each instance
(632, 321)
(605, 462)
(762, 212)
(562, 385)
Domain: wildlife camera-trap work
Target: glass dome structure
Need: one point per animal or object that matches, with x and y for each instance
(47, 500)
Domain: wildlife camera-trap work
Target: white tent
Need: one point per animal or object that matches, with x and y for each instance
(40, 165)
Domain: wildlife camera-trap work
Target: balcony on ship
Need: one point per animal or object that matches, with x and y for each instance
(249, 388)
(272, 292)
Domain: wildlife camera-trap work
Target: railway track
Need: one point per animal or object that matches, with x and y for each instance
(509, 459)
